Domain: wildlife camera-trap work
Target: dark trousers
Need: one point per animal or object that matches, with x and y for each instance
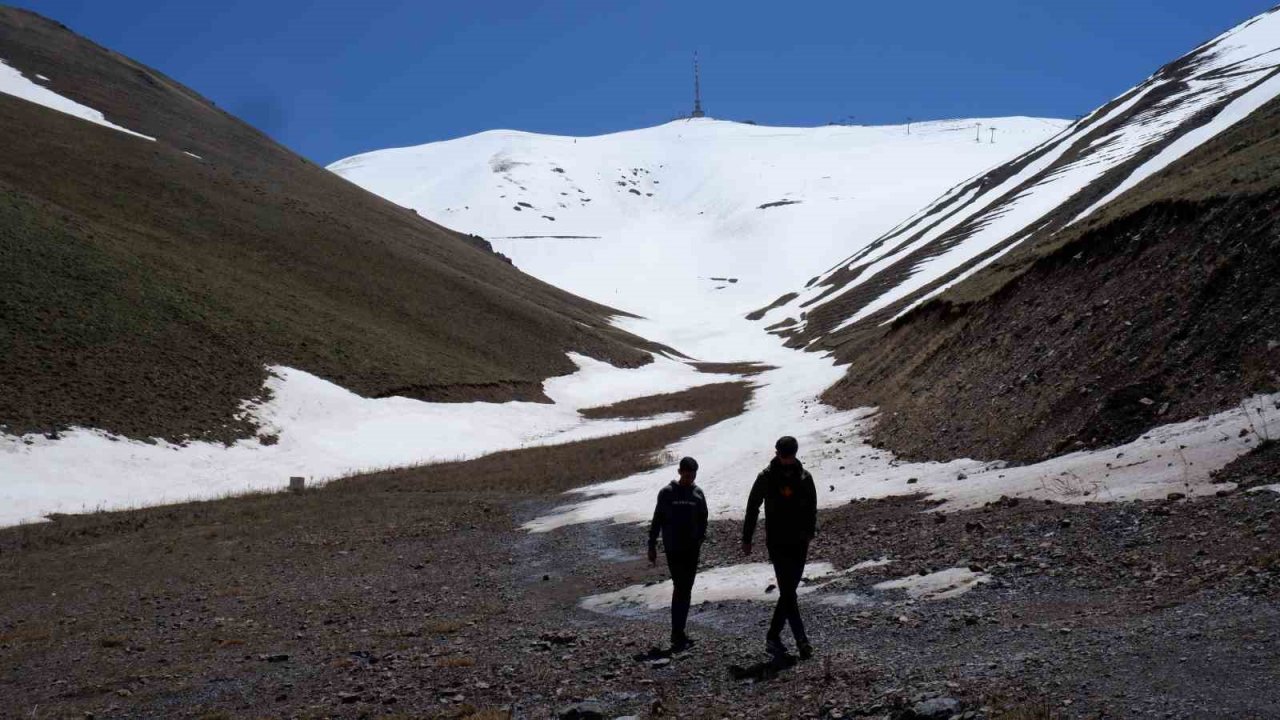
(788, 566)
(684, 568)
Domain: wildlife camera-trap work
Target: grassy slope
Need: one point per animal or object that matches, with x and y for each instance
(144, 289)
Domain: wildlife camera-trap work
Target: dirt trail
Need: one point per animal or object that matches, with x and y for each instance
(417, 594)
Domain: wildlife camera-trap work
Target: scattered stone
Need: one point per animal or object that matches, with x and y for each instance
(555, 638)
(936, 709)
(588, 710)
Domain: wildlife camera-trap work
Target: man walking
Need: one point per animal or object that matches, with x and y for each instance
(791, 517)
(681, 518)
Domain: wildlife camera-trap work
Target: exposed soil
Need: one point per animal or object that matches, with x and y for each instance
(745, 369)
(1160, 308)
(1261, 466)
(779, 302)
(1164, 315)
(477, 392)
(701, 396)
(415, 594)
(133, 272)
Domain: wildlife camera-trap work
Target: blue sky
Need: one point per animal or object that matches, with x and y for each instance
(330, 79)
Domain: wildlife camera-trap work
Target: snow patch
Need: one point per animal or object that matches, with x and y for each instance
(695, 210)
(1179, 457)
(749, 581)
(13, 82)
(324, 431)
(1233, 75)
(1234, 112)
(939, 585)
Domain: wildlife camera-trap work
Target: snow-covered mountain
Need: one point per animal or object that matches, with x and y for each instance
(1064, 180)
(702, 214)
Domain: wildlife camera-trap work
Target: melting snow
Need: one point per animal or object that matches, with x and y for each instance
(324, 432)
(643, 221)
(732, 582)
(937, 585)
(756, 582)
(13, 82)
(696, 216)
(1235, 69)
(1173, 458)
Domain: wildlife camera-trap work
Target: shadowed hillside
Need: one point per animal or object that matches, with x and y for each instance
(147, 284)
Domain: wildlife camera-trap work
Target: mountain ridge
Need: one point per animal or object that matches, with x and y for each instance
(1203, 212)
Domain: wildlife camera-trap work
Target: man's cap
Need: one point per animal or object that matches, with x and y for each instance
(689, 464)
(787, 446)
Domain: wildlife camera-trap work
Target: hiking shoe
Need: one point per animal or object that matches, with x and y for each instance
(774, 646)
(681, 645)
(805, 649)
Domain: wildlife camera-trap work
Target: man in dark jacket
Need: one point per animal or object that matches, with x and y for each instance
(791, 517)
(681, 518)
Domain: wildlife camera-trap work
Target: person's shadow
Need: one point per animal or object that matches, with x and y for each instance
(761, 671)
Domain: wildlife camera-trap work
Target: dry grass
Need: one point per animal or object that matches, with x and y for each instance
(744, 369)
(652, 405)
(133, 279)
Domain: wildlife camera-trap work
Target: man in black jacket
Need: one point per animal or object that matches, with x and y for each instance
(791, 517)
(681, 518)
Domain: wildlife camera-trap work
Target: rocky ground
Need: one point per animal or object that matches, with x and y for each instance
(405, 596)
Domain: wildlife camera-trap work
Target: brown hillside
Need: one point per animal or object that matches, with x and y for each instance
(1163, 306)
(144, 290)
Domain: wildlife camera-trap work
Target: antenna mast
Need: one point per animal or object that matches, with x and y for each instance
(697, 89)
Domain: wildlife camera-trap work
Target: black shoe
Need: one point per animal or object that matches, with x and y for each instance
(805, 649)
(774, 646)
(681, 644)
